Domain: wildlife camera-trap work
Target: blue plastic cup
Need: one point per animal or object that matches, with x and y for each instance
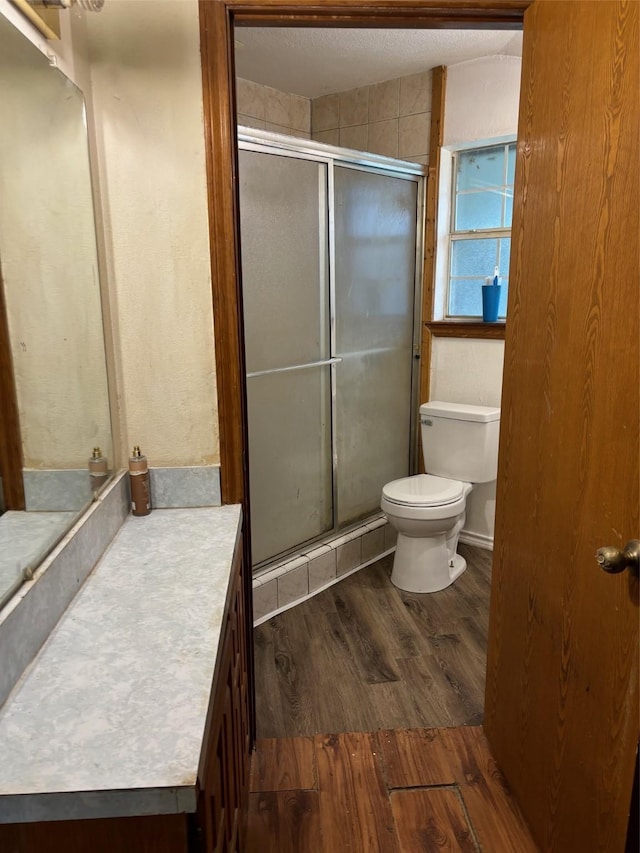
(490, 302)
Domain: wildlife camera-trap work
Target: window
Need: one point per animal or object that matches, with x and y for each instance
(480, 231)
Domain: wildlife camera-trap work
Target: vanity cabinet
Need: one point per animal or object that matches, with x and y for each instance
(217, 825)
(224, 778)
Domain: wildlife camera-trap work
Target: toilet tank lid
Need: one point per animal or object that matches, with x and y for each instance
(459, 411)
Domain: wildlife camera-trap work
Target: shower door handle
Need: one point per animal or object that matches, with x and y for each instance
(327, 361)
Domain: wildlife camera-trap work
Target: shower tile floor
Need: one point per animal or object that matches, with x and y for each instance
(363, 656)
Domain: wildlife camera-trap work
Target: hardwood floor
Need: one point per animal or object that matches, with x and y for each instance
(363, 655)
(383, 792)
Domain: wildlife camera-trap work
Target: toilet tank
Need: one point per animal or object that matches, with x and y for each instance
(460, 441)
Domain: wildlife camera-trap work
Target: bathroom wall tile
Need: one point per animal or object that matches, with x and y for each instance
(250, 121)
(349, 556)
(294, 584)
(413, 137)
(317, 552)
(372, 544)
(384, 100)
(354, 107)
(277, 128)
(390, 537)
(322, 569)
(265, 599)
(300, 134)
(274, 573)
(376, 522)
(354, 137)
(415, 93)
(277, 106)
(330, 137)
(300, 113)
(338, 541)
(356, 533)
(383, 138)
(423, 159)
(250, 98)
(325, 113)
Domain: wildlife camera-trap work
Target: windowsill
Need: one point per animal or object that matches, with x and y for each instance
(466, 329)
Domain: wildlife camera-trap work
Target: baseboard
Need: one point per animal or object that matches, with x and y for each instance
(468, 537)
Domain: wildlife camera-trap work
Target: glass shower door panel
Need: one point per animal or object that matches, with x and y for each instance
(283, 223)
(375, 227)
(283, 219)
(289, 459)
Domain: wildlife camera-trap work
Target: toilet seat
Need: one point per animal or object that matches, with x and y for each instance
(423, 490)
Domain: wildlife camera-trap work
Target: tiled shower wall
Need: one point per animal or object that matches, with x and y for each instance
(391, 118)
(270, 109)
(300, 577)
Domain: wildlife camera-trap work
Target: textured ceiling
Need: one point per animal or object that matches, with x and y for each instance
(313, 62)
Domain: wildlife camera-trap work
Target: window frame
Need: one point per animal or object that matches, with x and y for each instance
(453, 235)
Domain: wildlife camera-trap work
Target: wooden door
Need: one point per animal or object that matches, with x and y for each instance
(562, 680)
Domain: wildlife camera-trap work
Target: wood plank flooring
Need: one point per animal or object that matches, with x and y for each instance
(383, 792)
(363, 655)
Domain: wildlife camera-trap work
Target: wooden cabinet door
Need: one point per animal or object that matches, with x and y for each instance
(562, 680)
(224, 775)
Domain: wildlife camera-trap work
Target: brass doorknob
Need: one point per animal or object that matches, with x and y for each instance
(613, 560)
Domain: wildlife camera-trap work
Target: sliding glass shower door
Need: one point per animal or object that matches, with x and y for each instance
(329, 288)
(375, 259)
(287, 345)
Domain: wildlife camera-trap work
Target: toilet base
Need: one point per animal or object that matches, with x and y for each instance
(424, 564)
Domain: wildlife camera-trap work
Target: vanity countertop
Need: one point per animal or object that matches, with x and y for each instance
(109, 718)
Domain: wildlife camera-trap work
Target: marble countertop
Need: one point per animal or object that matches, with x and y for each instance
(109, 718)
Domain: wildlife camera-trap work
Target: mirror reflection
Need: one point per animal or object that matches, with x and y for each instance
(52, 319)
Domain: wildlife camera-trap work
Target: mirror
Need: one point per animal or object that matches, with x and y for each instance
(54, 404)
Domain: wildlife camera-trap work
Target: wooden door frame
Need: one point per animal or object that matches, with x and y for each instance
(217, 21)
(11, 459)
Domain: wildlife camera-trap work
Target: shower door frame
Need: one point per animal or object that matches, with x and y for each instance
(266, 142)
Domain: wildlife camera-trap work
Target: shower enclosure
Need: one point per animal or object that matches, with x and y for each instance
(331, 258)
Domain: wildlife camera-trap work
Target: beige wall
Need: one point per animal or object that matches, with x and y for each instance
(392, 118)
(146, 94)
(265, 108)
(481, 103)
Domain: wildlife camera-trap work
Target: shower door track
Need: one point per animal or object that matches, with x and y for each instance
(266, 142)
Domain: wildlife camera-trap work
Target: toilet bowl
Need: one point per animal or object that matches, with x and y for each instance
(460, 448)
(428, 513)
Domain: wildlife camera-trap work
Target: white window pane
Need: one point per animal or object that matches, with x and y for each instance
(479, 210)
(511, 164)
(504, 257)
(502, 308)
(465, 297)
(480, 168)
(474, 257)
(508, 208)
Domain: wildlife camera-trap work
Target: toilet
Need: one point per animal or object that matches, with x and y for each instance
(459, 448)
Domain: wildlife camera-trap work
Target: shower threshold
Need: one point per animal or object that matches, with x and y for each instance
(293, 579)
